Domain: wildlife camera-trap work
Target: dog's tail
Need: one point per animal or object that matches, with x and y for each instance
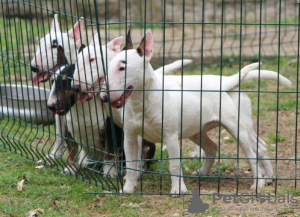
(268, 75)
(172, 66)
(248, 73)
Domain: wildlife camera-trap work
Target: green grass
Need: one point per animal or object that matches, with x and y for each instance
(62, 195)
(224, 166)
(290, 190)
(285, 211)
(273, 137)
(271, 148)
(230, 140)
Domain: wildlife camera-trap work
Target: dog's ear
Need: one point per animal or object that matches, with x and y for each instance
(61, 58)
(75, 32)
(55, 24)
(129, 44)
(146, 45)
(115, 44)
(81, 48)
(95, 41)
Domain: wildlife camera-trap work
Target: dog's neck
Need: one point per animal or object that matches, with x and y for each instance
(147, 80)
(147, 83)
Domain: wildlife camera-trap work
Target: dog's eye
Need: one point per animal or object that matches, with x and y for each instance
(121, 68)
(54, 44)
(92, 59)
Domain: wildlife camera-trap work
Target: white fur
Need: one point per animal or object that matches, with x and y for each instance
(46, 56)
(173, 66)
(213, 82)
(169, 109)
(46, 59)
(90, 62)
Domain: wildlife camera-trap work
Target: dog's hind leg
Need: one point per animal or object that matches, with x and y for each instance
(244, 102)
(210, 148)
(262, 153)
(255, 141)
(229, 120)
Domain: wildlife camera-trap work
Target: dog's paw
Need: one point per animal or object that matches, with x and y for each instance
(269, 180)
(54, 155)
(175, 191)
(195, 154)
(110, 171)
(70, 170)
(128, 187)
(204, 171)
(261, 183)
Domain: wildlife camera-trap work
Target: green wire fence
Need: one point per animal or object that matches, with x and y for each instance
(219, 36)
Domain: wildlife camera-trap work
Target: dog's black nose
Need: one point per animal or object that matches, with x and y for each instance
(76, 88)
(34, 68)
(52, 107)
(104, 98)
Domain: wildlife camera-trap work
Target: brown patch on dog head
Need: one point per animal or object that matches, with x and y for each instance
(129, 44)
(141, 48)
(81, 48)
(61, 58)
(65, 95)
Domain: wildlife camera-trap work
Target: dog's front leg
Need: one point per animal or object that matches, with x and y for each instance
(131, 153)
(178, 185)
(60, 133)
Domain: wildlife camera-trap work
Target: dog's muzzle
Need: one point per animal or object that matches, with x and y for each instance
(51, 107)
(104, 97)
(34, 68)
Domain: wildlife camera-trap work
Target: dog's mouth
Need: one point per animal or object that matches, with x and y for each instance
(59, 112)
(90, 93)
(43, 76)
(56, 111)
(121, 101)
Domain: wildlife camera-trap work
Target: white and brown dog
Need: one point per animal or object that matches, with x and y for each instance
(172, 115)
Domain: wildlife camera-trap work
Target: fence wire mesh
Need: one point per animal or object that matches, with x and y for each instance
(46, 70)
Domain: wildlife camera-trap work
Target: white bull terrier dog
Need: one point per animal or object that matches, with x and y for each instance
(45, 64)
(168, 108)
(89, 75)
